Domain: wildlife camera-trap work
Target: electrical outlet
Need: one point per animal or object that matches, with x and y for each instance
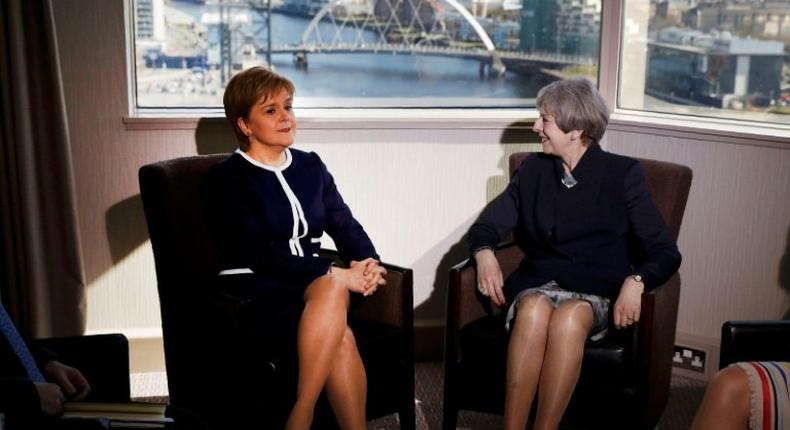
(689, 358)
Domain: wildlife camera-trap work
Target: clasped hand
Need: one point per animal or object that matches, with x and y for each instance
(67, 383)
(363, 277)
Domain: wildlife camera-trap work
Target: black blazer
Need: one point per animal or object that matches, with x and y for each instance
(251, 214)
(588, 238)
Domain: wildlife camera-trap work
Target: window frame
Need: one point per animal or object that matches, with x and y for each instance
(678, 125)
(727, 130)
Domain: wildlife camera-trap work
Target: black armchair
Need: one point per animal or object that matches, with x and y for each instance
(103, 360)
(214, 364)
(624, 378)
(754, 341)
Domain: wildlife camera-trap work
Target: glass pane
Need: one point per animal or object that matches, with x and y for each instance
(360, 53)
(724, 59)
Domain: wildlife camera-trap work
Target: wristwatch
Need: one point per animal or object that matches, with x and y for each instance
(637, 277)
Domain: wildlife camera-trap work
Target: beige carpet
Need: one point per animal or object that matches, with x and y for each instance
(684, 398)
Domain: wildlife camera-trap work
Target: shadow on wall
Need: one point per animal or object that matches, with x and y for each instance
(784, 272)
(513, 139)
(125, 221)
(434, 306)
(126, 227)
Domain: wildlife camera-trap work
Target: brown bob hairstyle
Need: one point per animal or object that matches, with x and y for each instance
(244, 90)
(575, 104)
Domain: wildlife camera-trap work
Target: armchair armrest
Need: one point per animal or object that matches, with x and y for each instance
(754, 341)
(103, 360)
(654, 339)
(464, 304)
(393, 304)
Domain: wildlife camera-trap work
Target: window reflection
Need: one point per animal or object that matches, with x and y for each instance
(713, 58)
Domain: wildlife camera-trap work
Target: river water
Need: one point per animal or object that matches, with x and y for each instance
(403, 80)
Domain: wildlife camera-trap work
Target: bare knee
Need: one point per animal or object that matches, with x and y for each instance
(729, 387)
(574, 317)
(327, 290)
(534, 312)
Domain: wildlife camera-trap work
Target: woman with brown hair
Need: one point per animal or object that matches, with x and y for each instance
(270, 205)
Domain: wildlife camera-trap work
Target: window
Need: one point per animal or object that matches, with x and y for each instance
(363, 53)
(723, 59)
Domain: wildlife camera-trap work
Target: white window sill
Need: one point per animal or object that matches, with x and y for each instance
(687, 127)
(701, 128)
(351, 119)
(130, 332)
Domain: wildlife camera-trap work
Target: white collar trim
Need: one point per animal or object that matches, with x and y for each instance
(257, 163)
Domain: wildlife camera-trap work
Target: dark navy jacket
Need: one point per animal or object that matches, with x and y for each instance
(270, 220)
(588, 238)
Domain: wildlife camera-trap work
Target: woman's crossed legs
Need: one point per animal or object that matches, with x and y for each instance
(328, 357)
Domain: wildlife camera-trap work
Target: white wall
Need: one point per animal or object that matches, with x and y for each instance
(736, 229)
(416, 190)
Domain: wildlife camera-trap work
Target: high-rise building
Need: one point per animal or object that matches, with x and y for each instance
(538, 26)
(579, 27)
(144, 22)
(713, 69)
(561, 26)
(149, 20)
(769, 20)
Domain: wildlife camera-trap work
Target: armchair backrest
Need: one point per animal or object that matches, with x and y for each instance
(754, 340)
(186, 259)
(173, 203)
(668, 184)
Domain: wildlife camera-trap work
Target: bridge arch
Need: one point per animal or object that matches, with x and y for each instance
(470, 19)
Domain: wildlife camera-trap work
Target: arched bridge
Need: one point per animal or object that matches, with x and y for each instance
(414, 27)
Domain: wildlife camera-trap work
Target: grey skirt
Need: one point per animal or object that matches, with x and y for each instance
(557, 296)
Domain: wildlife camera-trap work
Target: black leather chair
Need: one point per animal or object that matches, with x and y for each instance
(625, 378)
(215, 366)
(103, 360)
(754, 341)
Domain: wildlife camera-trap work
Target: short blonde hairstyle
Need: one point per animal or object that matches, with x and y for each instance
(244, 90)
(575, 104)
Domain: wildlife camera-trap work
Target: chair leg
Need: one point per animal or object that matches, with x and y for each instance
(450, 417)
(450, 406)
(406, 412)
(407, 416)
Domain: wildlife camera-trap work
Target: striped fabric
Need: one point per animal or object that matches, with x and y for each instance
(770, 394)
